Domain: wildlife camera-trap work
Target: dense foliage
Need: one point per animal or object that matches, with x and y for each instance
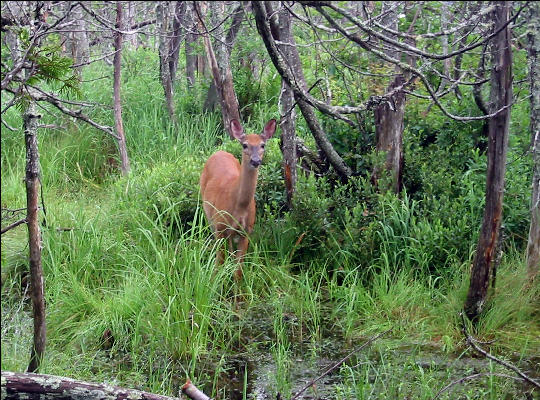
(129, 261)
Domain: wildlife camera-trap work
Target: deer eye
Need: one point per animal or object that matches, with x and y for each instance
(262, 146)
(244, 145)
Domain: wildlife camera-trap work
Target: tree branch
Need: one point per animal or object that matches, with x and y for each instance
(58, 103)
(14, 225)
(471, 341)
(338, 364)
(469, 377)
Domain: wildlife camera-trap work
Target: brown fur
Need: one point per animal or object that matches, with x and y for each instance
(228, 190)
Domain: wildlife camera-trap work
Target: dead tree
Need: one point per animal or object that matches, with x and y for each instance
(533, 49)
(218, 59)
(501, 100)
(37, 386)
(119, 124)
(303, 98)
(281, 28)
(388, 118)
(165, 56)
(33, 184)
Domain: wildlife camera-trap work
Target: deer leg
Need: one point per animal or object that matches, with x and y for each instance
(241, 251)
(220, 253)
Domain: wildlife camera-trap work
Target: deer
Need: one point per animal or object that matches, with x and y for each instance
(228, 191)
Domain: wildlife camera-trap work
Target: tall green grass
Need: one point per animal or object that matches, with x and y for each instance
(134, 296)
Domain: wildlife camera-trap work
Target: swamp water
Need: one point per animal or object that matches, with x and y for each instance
(385, 369)
(265, 366)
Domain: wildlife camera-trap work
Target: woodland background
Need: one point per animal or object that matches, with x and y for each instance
(402, 188)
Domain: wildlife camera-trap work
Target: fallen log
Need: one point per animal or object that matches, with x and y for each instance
(30, 386)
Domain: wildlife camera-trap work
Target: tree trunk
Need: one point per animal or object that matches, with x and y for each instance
(389, 137)
(389, 122)
(44, 387)
(199, 11)
(283, 28)
(218, 58)
(213, 95)
(500, 96)
(124, 159)
(32, 180)
(191, 40)
(132, 39)
(533, 49)
(162, 20)
(80, 48)
(174, 44)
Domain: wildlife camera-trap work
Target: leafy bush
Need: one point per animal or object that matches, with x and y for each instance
(170, 191)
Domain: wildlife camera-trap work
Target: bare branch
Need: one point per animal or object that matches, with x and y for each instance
(7, 126)
(191, 391)
(470, 377)
(406, 67)
(14, 225)
(338, 364)
(58, 103)
(404, 46)
(506, 364)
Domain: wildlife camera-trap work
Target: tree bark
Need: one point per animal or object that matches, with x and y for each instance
(162, 19)
(80, 48)
(191, 40)
(32, 180)
(117, 62)
(212, 97)
(199, 11)
(533, 50)
(45, 387)
(132, 39)
(501, 97)
(191, 391)
(389, 120)
(389, 136)
(282, 26)
(176, 40)
(218, 59)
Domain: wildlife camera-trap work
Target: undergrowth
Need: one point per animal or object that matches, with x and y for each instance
(134, 298)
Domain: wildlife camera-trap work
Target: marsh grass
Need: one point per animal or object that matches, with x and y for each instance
(134, 298)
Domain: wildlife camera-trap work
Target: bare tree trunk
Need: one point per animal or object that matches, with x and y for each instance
(501, 97)
(199, 11)
(176, 40)
(80, 48)
(191, 40)
(213, 95)
(163, 15)
(221, 69)
(283, 28)
(533, 48)
(37, 386)
(389, 136)
(124, 159)
(389, 123)
(32, 180)
(444, 44)
(131, 11)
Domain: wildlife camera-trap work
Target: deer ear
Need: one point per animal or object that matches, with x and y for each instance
(269, 129)
(237, 130)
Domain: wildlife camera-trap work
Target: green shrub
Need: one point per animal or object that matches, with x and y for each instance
(169, 190)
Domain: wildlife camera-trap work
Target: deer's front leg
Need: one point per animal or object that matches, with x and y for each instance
(242, 246)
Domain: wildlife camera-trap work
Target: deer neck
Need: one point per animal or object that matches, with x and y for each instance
(246, 184)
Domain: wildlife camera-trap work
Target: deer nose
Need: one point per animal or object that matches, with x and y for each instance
(255, 162)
